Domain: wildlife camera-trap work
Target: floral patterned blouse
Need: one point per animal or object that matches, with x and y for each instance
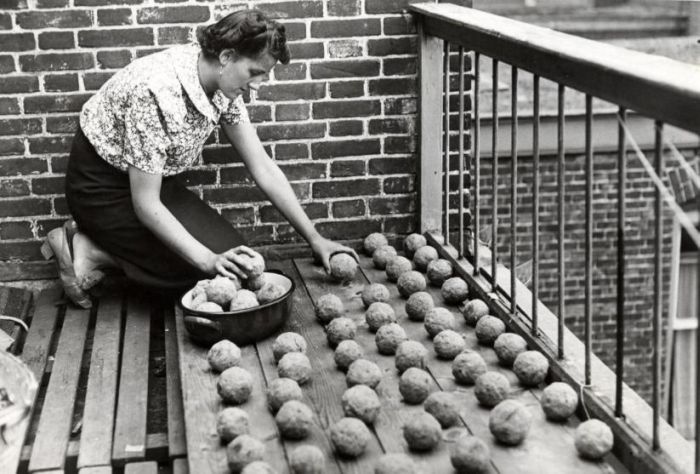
(154, 114)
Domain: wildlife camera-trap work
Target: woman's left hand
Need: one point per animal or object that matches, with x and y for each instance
(323, 250)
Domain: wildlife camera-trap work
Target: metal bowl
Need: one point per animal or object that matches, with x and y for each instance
(244, 326)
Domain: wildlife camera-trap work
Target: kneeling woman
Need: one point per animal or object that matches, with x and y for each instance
(143, 128)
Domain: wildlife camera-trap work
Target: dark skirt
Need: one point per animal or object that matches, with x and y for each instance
(99, 199)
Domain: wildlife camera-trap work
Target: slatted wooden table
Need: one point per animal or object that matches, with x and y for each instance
(95, 408)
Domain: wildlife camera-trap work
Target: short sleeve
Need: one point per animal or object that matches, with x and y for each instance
(145, 140)
(235, 112)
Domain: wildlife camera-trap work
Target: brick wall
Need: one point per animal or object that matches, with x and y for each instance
(339, 119)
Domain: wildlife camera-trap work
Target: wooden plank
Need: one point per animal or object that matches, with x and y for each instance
(177, 444)
(130, 427)
(180, 466)
(35, 354)
(150, 467)
(96, 470)
(54, 426)
(101, 395)
(394, 412)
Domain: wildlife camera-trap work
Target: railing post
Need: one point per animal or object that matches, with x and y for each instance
(430, 163)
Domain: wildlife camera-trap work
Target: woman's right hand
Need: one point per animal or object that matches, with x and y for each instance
(231, 263)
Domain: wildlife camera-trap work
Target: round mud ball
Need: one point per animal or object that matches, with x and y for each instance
(593, 439)
(242, 451)
(451, 251)
(389, 337)
(395, 463)
(491, 388)
(414, 385)
(294, 420)
(373, 241)
(438, 271)
(328, 307)
(232, 422)
(444, 407)
(307, 459)
(448, 344)
(199, 293)
(454, 290)
(376, 292)
(467, 367)
(349, 437)
(295, 366)
(507, 347)
(363, 372)
(473, 311)
(234, 385)
(470, 455)
(378, 314)
(437, 320)
(410, 282)
(559, 401)
(281, 391)
(410, 354)
(422, 432)
(361, 402)
(396, 267)
(256, 264)
(424, 256)
(347, 352)
(340, 329)
(258, 467)
(509, 422)
(488, 329)
(209, 307)
(531, 367)
(418, 305)
(288, 342)
(270, 292)
(255, 283)
(412, 243)
(244, 299)
(382, 256)
(223, 354)
(343, 267)
(221, 290)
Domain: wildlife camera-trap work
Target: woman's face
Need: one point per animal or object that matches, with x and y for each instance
(239, 74)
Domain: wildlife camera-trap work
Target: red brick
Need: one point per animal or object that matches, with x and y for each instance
(198, 177)
(52, 3)
(350, 229)
(174, 35)
(351, 208)
(391, 166)
(115, 37)
(344, 68)
(239, 194)
(398, 185)
(5, 21)
(20, 126)
(346, 89)
(386, 6)
(51, 185)
(347, 168)
(56, 62)
(400, 106)
(392, 205)
(220, 155)
(344, 49)
(315, 210)
(114, 17)
(291, 112)
(345, 188)
(402, 86)
(296, 91)
(392, 46)
(15, 230)
(344, 7)
(346, 28)
(15, 4)
(304, 171)
(259, 113)
(94, 80)
(113, 59)
(19, 84)
(59, 163)
(56, 19)
(291, 131)
(345, 127)
(55, 103)
(99, 3)
(62, 124)
(239, 216)
(389, 125)
(333, 149)
(306, 50)
(24, 207)
(399, 25)
(9, 106)
(291, 151)
(55, 144)
(294, 31)
(14, 188)
(184, 14)
(11, 146)
(7, 64)
(295, 9)
(61, 82)
(56, 40)
(17, 41)
(393, 145)
(236, 175)
(20, 251)
(290, 72)
(398, 66)
(346, 108)
(400, 225)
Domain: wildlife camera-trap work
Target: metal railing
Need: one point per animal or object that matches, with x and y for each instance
(453, 42)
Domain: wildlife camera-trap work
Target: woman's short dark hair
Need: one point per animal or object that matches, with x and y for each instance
(248, 32)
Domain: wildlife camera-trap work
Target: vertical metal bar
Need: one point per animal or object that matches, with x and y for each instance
(461, 151)
(477, 161)
(589, 237)
(535, 201)
(494, 181)
(621, 211)
(658, 281)
(697, 363)
(446, 137)
(560, 219)
(513, 185)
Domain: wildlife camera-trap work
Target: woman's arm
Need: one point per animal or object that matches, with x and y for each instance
(276, 187)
